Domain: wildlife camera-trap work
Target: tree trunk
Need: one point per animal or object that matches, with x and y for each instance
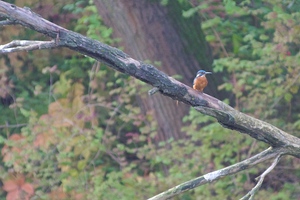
(150, 31)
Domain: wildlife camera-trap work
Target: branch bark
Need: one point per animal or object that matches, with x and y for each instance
(282, 143)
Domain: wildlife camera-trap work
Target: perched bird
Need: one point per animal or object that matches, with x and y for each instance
(200, 81)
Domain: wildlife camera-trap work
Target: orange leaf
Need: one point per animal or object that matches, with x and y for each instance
(39, 141)
(14, 195)
(58, 194)
(4, 150)
(20, 180)
(10, 185)
(16, 137)
(55, 108)
(78, 196)
(28, 188)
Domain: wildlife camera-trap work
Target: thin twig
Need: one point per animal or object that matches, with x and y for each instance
(13, 126)
(261, 179)
(26, 45)
(7, 22)
(153, 91)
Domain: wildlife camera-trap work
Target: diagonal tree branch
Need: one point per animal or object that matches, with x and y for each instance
(118, 60)
(212, 176)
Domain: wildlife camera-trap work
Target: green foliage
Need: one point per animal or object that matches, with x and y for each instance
(91, 24)
(265, 67)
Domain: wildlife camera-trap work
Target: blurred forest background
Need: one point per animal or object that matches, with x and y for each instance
(72, 128)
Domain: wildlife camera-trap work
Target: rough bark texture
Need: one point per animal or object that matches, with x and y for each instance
(150, 31)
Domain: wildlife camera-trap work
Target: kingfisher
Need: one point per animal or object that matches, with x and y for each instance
(200, 81)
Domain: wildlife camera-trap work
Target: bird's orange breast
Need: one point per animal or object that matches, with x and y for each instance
(200, 83)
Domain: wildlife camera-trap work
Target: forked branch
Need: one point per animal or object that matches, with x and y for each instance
(251, 193)
(213, 176)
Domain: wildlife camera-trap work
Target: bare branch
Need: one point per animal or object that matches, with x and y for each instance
(12, 126)
(261, 179)
(26, 45)
(7, 22)
(212, 176)
(153, 91)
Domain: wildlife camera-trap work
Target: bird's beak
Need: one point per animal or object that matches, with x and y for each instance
(208, 73)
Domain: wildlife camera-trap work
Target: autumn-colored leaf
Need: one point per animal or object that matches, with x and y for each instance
(9, 185)
(14, 195)
(58, 106)
(45, 139)
(28, 188)
(16, 137)
(58, 194)
(17, 188)
(19, 180)
(8, 152)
